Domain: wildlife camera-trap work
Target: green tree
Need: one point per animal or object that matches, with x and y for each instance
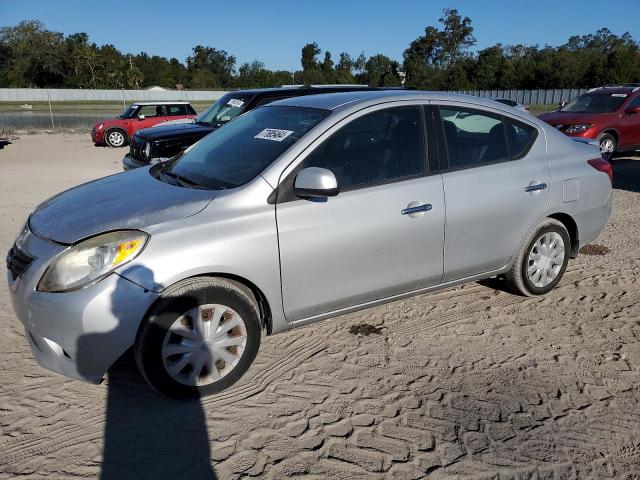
(488, 68)
(211, 68)
(381, 71)
(327, 68)
(36, 57)
(344, 69)
(430, 60)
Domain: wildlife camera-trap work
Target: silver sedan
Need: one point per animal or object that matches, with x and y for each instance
(301, 210)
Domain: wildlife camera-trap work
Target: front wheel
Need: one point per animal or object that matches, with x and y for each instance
(115, 138)
(608, 145)
(199, 339)
(541, 261)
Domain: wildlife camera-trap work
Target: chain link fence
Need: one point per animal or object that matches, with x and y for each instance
(31, 110)
(549, 97)
(65, 110)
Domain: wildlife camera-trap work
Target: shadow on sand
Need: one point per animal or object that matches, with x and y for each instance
(626, 173)
(147, 435)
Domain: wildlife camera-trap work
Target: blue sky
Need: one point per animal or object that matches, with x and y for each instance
(274, 32)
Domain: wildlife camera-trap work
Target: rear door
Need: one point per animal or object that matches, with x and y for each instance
(367, 243)
(496, 182)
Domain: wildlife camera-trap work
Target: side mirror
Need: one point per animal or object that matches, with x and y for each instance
(141, 117)
(314, 182)
(562, 104)
(632, 110)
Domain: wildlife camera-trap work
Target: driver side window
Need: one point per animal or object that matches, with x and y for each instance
(381, 147)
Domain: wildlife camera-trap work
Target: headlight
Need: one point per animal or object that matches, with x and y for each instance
(101, 126)
(146, 151)
(91, 260)
(581, 127)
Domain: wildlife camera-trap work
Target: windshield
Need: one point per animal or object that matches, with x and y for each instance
(595, 103)
(226, 108)
(236, 153)
(128, 112)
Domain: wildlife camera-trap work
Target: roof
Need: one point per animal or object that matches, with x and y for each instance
(620, 88)
(162, 102)
(335, 101)
(331, 87)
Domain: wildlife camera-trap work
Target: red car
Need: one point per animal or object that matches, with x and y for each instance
(610, 115)
(118, 131)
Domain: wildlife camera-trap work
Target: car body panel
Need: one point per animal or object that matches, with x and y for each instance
(103, 205)
(473, 192)
(79, 333)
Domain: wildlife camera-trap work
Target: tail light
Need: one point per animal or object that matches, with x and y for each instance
(602, 166)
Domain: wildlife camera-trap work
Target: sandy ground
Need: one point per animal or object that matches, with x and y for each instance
(470, 382)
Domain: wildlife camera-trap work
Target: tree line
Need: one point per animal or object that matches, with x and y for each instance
(441, 59)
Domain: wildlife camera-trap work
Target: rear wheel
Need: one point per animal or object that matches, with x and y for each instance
(541, 261)
(608, 145)
(115, 138)
(199, 338)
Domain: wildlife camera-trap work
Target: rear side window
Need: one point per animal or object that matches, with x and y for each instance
(175, 110)
(473, 137)
(520, 138)
(381, 147)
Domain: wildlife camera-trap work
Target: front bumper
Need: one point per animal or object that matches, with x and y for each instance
(97, 136)
(129, 163)
(80, 333)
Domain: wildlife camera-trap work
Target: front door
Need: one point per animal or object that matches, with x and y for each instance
(629, 126)
(382, 235)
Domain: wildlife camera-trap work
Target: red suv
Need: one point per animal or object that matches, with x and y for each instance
(609, 114)
(117, 132)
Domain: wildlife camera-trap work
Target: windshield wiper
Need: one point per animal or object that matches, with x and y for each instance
(181, 180)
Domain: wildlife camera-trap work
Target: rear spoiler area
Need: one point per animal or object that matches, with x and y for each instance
(588, 141)
(594, 144)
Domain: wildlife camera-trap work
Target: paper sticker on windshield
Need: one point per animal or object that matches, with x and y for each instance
(618, 94)
(274, 134)
(234, 102)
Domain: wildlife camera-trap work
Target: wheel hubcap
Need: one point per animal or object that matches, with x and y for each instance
(204, 345)
(545, 259)
(116, 139)
(606, 146)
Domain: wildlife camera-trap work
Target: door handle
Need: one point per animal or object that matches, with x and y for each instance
(535, 187)
(416, 209)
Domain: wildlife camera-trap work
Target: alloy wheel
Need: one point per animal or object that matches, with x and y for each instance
(607, 145)
(116, 138)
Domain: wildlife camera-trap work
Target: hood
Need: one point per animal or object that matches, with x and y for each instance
(163, 132)
(108, 122)
(567, 118)
(132, 199)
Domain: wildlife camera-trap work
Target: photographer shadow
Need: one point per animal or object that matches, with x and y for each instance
(146, 435)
